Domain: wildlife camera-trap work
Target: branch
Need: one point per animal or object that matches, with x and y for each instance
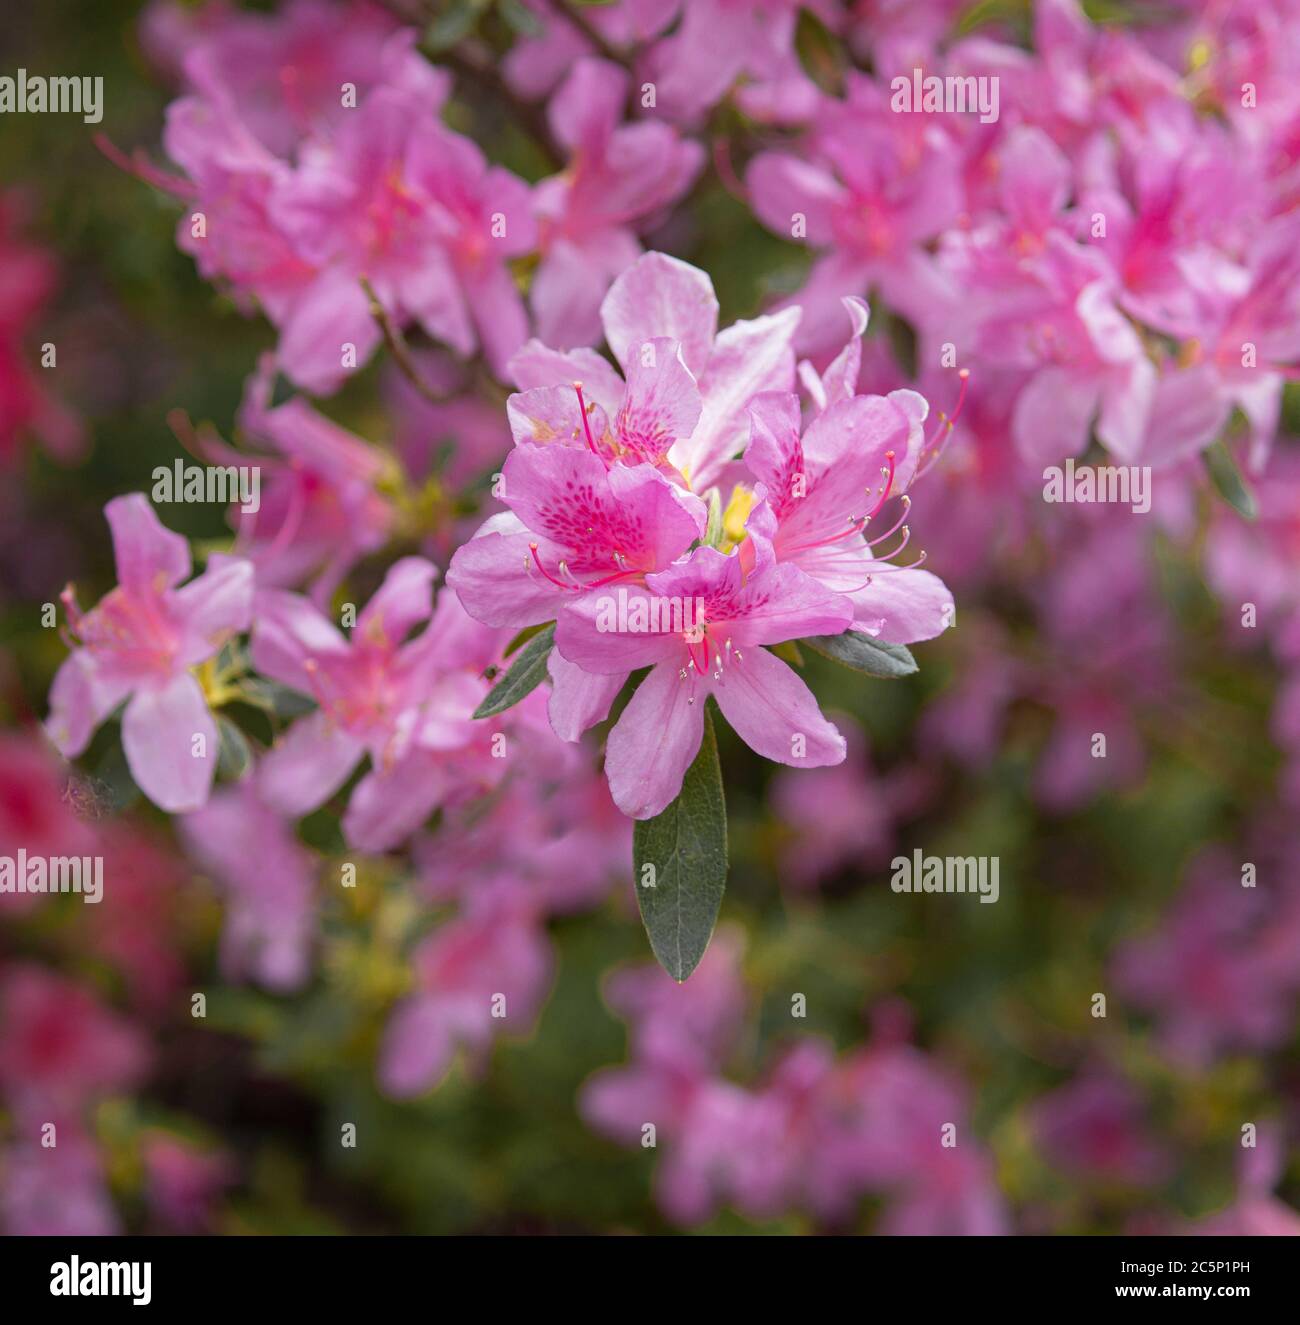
(398, 347)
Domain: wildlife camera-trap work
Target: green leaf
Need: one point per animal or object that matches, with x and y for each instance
(526, 673)
(234, 758)
(864, 654)
(680, 859)
(523, 637)
(1228, 481)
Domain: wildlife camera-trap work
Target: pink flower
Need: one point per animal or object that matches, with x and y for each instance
(56, 1191)
(400, 200)
(141, 642)
(183, 1182)
(321, 510)
(872, 189)
(484, 973)
(1222, 970)
(822, 489)
(26, 280)
(283, 74)
(267, 878)
(37, 814)
(60, 1048)
(1095, 1128)
(661, 298)
(574, 527)
(619, 174)
(719, 654)
(718, 42)
(405, 704)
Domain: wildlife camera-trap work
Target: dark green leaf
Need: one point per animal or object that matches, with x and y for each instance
(235, 758)
(523, 637)
(680, 859)
(1228, 481)
(526, 673)
(864, 654)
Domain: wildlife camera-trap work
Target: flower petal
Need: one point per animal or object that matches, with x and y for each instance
(770, 707)
(158, 731)
(653, 742)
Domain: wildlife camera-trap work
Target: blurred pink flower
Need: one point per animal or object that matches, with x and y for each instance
(140, 642)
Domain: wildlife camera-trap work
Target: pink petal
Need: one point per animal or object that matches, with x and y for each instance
(904, 605)
(149, 557)
(399, 604)
(662, 402)
(662, 296)
(386, 808)
(215, 605)
(158, 730)
(332, 312)
(653, 743)
(491, 578)
(578, 699)
(82, 696)
(748, 358)
(307, 765)
(768, 706)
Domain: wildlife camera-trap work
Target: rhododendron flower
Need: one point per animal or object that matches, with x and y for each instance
(408, 705)
(141, 642)
(574, 527)
(398, 199)
(486, 971)
(718, 41)
(658, 298)
(267, 877)
(716, 652)
(60, 1048)
(1095, 1127)
(873, 191)
(321, 510)
(283, 75)
(26, 279)
(821, 491)
(619, 174)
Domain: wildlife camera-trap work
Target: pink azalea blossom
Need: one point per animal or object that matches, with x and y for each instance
(60, 1048)
(37, 814)
(283, 74)
(661, 298)
(139, 644)
(872, 191)
(321, 509)
(719, 655)
(1094, 1128)
(484, 973)
(405, 704)
(56, 1191)
(27, 277)
(824, 488)
(618, 175)
(267, 878)
(400, 200)
(183, 1182)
